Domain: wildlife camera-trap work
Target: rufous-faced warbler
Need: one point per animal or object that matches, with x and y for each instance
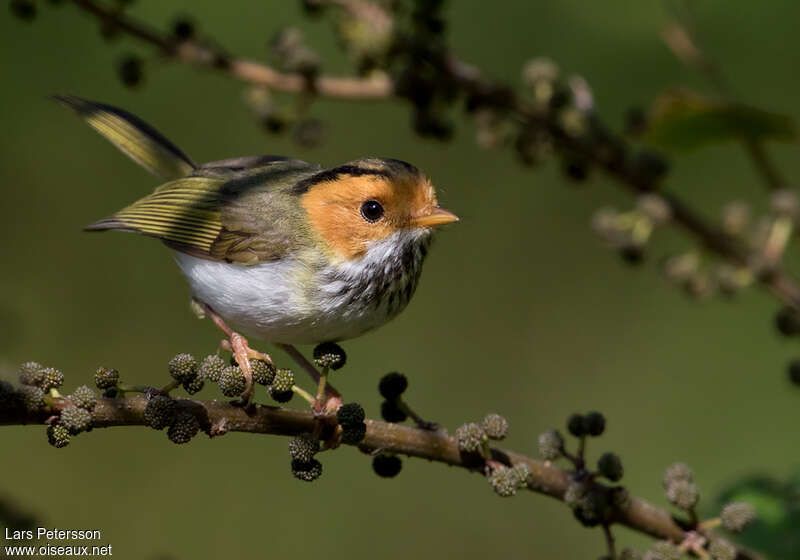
(276, 248)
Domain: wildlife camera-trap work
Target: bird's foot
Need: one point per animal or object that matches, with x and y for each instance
(242, 353)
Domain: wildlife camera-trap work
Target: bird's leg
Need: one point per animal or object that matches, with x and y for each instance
(332, 399)
(242, 353)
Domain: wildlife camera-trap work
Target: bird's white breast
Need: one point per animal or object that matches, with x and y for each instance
(305, 299)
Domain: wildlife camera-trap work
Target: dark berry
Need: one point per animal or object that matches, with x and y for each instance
(387, 466)
(159, 412)
(610, 466)
(794, 372)
(392, 385)
(353, 433)
(130, 70)
(576, 425)
(23, 9)
(576, 170)
(329, 354)
(391, 412)
(632, 253)
(193, 385)
(303, 447)
(787, 321)
(281, 396)
(306, 471)
(182, 29)
(184, 428)
(594, 423)
(350, 414)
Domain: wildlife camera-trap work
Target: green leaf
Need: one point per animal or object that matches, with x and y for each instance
(777, 503)
(681, 121)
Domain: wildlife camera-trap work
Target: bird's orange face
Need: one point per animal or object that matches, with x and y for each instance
(350, 211)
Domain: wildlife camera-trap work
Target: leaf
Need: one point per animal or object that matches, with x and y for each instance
(681, 121)
(777, 505)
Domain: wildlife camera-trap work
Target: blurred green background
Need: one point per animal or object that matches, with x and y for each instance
(520, 310)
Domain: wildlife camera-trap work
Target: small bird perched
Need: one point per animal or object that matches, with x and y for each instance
(276, 248)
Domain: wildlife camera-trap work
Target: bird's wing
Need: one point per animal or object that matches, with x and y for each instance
(134, 137)
(244, 217)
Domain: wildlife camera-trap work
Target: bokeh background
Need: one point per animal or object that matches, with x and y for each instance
(520, 310)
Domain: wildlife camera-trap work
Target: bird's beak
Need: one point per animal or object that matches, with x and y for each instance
(435, 217)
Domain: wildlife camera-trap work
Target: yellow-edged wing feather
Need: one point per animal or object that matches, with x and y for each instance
(134, 137)
(184, 213)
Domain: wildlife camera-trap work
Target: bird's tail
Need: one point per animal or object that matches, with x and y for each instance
(134, 137)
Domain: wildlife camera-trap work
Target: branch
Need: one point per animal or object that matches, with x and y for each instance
(198, 54)
(471, 81)
(221, 417)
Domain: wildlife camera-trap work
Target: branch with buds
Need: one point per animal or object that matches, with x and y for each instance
(594, 503)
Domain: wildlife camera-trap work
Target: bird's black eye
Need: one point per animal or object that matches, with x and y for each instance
(372, 211)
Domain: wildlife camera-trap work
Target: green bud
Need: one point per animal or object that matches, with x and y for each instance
(495, 426)
(720, 549)
(84, 397)
(211, 367)
(683, 494)
(33, 397)
(737, 515)
(106, 378)
(677, 471)
(31, 373)
(57, 435)
(551, 445)
(663, 550)
(263, 372)
(76, 419)
(284, 381)
(53, 379)
(504, 481)
(576, 425)
(232, 382)
(183, 367)
(470, 437)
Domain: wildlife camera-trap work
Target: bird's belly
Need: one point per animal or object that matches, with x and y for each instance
(278, 301)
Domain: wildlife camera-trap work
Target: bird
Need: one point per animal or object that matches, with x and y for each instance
(274, 248)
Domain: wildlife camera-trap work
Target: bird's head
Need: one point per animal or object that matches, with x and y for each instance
(369, 200)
